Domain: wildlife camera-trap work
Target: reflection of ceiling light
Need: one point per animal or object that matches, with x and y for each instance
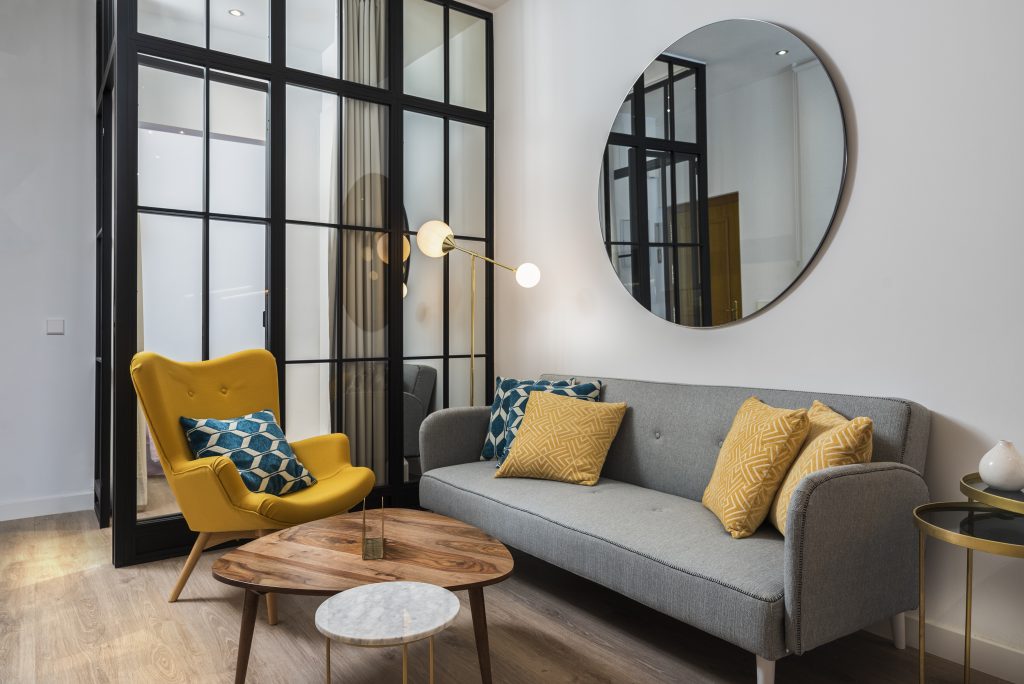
(236, 12)
(782, 52)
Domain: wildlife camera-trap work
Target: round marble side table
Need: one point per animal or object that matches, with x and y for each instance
(387, 614)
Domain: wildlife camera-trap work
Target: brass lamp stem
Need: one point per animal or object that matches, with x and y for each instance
(488, 259)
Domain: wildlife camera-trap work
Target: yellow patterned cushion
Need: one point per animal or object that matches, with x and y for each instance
(562, 438)
(757, 452)
(832, 440)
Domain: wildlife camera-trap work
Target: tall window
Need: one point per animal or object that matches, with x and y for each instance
(274, 161)
(654, 191)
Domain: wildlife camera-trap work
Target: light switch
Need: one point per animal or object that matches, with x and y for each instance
(54, 326)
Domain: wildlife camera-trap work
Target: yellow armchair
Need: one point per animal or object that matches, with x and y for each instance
(213, 499)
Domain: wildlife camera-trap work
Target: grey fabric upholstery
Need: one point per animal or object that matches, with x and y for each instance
(417, 388)
(671, 434)
(851, 550)
(635, 541)
(849, 560)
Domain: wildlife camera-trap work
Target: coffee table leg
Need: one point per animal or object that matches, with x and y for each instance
(483, 650)
(431, 660)
(249, 606)
(328, 640)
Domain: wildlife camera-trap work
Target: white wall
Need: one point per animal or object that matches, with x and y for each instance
(47, 231)
(918, 294)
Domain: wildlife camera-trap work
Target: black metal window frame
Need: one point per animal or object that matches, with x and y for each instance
(121, 49)
(647, 153)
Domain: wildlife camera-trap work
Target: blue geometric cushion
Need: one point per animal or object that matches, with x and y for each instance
(495, 440)
(514, 405)
(256, 445)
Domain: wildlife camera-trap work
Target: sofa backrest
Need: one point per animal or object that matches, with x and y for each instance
(671, 434)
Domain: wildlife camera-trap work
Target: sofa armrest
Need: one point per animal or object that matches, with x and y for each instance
(453, 436)
(850, 550)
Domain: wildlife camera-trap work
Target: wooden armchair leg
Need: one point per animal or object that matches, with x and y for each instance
(190, 564)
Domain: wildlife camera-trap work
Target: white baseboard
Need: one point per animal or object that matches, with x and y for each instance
(998, 660)
(45, 505)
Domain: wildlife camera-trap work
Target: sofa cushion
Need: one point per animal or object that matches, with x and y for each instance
(513, 406)
(665, 551)
(494, 442)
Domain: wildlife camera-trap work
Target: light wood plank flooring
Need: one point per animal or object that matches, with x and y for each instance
(66, 615)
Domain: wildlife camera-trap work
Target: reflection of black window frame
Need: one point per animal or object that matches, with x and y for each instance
(119, 54)
(667, 153)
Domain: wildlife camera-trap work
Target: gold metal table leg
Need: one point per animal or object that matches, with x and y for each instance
(405, 663)
(967, 618)
(328, 640)
(920, 606)
(431, 660)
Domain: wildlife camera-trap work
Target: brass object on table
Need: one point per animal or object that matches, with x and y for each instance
(993, 522)
(373, 547)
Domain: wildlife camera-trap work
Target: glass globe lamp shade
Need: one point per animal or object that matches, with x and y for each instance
(431, 236)
(527, 275)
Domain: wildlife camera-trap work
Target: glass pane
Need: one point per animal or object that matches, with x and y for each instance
(366, 50)
(621, 228)
(623, 261)
(365, 164)
(467, 177)
(685, 211)
(238, 149)
(659, 227)
(241, 27)
(458, 382)
(662, 282)
(424, 168)
(364, 295)
(423, 306)
(309, 399)
(459, 301)
(311, 43)
(312, 155)
(467, 60)
(181, 20)
(170, 151)
(238, 286)
(655, 80)
(684, 104)
(688, 281)
(170, 286)
(311, 271)
(364, 414)
(624, 118)
(422, 394)
(423, 49)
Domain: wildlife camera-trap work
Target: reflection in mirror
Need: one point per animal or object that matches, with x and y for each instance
(722, 173)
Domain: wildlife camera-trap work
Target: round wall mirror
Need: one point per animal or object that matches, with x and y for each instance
(722, 173)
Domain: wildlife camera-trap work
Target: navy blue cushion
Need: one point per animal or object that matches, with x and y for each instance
(256, 445)
(514, 405)
(495, 440)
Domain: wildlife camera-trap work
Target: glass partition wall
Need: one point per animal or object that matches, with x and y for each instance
(273, 163)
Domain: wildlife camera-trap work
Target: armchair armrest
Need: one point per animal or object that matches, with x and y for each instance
(453, 436)
(850, 550)
(413, 413)
(323, 455)
(199, 484)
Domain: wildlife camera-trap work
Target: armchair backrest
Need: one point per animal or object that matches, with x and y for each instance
(225, 387)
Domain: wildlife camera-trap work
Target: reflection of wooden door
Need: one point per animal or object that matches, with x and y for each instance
(724, 249)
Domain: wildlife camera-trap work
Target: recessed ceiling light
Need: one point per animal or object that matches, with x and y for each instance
(782, 52)
(236, 12)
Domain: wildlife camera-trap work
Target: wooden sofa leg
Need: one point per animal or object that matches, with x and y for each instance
(765, 670)
(899, 630)
(190, 564)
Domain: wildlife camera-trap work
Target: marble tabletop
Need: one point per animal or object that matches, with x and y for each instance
(387, 613)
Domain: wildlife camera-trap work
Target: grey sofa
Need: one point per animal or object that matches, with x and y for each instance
(849, 559)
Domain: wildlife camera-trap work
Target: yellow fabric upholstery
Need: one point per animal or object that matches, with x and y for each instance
(563, 438)
(833, 440)
(210, 491)
(760, 447)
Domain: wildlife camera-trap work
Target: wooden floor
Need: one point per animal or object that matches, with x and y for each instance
(66, 615)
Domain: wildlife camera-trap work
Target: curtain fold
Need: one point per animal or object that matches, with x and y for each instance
(364, 275)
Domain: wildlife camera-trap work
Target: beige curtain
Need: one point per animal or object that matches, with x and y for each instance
(363, 278)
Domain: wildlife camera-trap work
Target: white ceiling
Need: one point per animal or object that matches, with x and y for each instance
(741, 51)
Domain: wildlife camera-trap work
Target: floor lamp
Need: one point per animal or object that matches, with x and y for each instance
(436, 239)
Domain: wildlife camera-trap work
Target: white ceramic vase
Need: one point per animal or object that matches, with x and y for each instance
(1002, 467)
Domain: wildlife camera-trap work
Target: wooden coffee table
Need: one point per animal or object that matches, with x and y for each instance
(324, 557)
